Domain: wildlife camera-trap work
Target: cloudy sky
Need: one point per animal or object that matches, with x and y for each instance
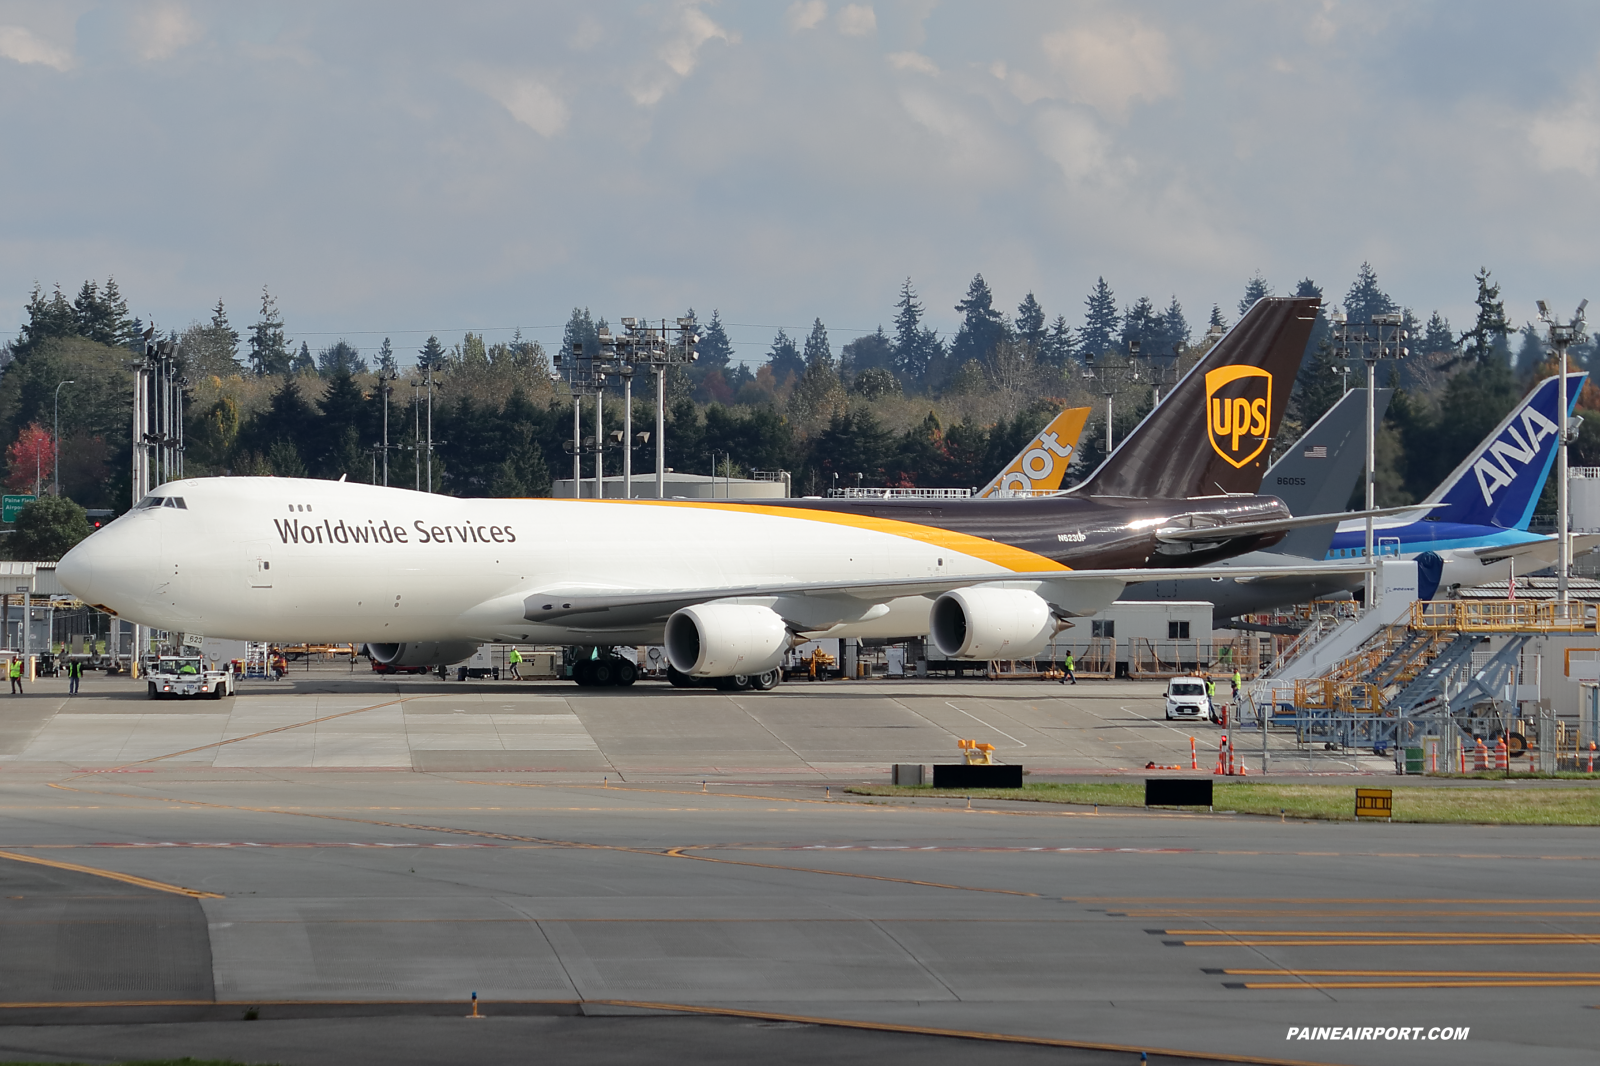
(401, 169)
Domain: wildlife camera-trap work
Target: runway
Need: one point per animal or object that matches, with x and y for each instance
(153, 901)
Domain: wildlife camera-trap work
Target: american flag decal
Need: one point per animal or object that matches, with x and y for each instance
(1319, 452)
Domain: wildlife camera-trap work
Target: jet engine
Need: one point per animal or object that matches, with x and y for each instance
(989, 623)
(422, 652)
(724, 639)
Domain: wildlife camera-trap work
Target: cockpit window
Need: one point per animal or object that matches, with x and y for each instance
(162, 501)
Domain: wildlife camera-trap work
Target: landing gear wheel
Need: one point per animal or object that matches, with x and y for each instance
(678, 679)
(626, 673)
(581, 672)
(766, 681)
(602, 672)
(735, 683)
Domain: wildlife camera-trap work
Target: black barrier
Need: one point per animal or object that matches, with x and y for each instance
(1177, 792)
(960, 775)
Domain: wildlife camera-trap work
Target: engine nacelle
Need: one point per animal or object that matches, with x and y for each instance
(423, 652)
(723, 639)
(989, 623)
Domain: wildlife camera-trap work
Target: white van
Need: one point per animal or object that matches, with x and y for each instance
(1186, 698)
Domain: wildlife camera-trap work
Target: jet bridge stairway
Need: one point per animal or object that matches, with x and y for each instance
(1435, 661)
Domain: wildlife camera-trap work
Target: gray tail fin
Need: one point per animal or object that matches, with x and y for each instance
(1320, 470)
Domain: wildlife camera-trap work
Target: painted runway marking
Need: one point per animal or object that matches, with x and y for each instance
(985, 725)
(111, 875)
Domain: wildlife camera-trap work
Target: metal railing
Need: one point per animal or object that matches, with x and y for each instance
(899, 494)
(1503, 616)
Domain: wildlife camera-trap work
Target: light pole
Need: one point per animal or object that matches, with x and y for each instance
(1563, 334)
(55, 441)
(1357, 342)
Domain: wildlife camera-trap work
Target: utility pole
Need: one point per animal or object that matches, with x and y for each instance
(1562, 335)
(430, 425)
(1370, 345)
(55, 445)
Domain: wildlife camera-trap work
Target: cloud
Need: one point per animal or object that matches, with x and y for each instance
(857, 20)
(160, 30)
(1073, 141)
(20, 44)
(586, 35)
(532, 103)
(912, 61)
(681, 54)
(1111, 65)
(806, 14)
(1568, 138)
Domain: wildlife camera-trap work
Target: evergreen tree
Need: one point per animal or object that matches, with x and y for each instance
(1530, 350)
(1173, 330)
(715, 349)
(1319, 385)
(872, 352)
(981, 325)
(1486, 341)
(223, 332)
(288, 418)
(340, 357)
(1060, 345)
(302, 363)
(1216, 321)
(102, 318)
(1101, 322)
(1141, 323)
(431, 354)
(386, 364)
(1254, 289)
(52, 317)
(1437, 337)
(853, 443)
(269, 348)
(1365, 299)
(581, 329)
(911, 354)
(819, 394)
(211, 350)
(817, 351)
(1030, 325)
(784, 358)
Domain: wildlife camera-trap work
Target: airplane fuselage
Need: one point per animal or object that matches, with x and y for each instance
(288, 559)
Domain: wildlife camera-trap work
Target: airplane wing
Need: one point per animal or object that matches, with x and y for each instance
(1187, 534)
(619, 606)
(1581, 542)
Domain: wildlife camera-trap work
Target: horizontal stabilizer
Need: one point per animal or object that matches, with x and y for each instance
(1233, 530)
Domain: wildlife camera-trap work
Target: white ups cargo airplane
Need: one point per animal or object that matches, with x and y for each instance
(728, 587)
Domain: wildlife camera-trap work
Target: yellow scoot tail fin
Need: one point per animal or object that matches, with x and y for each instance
(1041, 466)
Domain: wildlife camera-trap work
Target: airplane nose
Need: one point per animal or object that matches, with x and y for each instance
(117, 566)
(75, 571)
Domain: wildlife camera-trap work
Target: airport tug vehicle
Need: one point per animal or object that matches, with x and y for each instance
(187, 675)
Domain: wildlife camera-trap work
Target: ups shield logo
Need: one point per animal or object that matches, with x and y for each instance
(1238, 412)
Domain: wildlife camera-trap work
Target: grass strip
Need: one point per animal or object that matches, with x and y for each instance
(1465, 804)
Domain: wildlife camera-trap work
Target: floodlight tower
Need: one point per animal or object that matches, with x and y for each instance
(1384, 339)
(1563, 334)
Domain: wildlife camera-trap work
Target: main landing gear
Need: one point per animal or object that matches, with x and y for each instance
(600, 673)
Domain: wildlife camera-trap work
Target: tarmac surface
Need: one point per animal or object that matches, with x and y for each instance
(351, 858)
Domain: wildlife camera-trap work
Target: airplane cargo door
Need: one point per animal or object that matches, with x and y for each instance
(258, 578)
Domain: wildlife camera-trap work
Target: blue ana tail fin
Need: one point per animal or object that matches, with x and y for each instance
(1500, 482)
